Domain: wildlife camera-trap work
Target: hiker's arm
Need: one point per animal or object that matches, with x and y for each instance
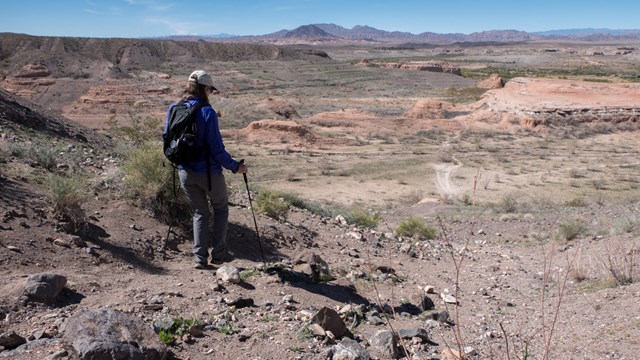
(217, 150)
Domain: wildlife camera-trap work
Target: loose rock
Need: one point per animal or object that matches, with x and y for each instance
(44, 288)
(110, 334)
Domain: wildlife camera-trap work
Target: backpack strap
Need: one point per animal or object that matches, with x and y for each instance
(207, 157)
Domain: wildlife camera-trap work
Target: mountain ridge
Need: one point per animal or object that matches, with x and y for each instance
(359, 33)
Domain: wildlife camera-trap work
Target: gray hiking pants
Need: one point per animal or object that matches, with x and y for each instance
(195, 186)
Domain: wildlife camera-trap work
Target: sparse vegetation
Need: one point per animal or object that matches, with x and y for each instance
(621, 262)
(176, 329)
(66, 193)
(248, 273)
(570, 229)
(415, 227)
(507, 204)
(272, 204)
(576, 202)
(363, 218)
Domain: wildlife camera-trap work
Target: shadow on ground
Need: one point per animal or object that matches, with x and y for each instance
(97, 235)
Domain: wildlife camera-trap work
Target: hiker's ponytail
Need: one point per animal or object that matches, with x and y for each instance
(192, 90)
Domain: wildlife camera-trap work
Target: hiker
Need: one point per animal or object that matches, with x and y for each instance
(202, 180)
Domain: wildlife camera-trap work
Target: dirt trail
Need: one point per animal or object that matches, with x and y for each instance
(443, 178)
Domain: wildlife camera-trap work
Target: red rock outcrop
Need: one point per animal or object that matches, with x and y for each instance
(494, 81)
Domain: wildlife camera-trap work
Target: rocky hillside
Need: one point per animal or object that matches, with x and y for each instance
(64, 56)
(19, 116)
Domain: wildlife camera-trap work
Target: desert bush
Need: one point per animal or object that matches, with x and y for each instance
(43, 156)
(4, 152)
(621, 262)
(570, 229)
(575, 202)
(412, 197)
(414, 226)
(140, 131)
(626, 225)
(272, 204)
(151, 186)
(507, 204)
(66, 192)
(144, 173)
(361, 217)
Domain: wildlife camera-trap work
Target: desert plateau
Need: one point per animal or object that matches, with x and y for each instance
(460, 200)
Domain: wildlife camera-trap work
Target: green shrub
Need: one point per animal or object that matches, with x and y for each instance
(18, 150)
(66, 192)
(272, 204)
(144, 173)
(4, 152)
(44, 156)
(414, 226)
(178, 328)
(363, 218)
(151, 185)
(570, 229)
(313, 206)
(247, 273)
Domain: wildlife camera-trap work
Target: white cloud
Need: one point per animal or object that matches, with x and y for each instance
(175, 27)
(152, 4)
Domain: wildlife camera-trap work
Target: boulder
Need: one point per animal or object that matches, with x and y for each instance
(348, 349)
(329, 320)
(385, 342)
(11, 340)
(110, 334)
(44, 288)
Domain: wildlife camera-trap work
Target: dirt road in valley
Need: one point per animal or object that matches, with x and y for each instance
(443, 178)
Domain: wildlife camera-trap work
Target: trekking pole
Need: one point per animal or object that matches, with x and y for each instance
(255, 223)
(172, 217)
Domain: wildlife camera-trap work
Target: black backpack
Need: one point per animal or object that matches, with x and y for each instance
(179, 139)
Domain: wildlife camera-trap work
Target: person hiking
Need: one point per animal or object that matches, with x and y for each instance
(202, 180)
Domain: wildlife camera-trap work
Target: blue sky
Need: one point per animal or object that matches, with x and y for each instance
(142, 18)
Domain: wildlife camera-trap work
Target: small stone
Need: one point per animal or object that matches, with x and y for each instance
(61, 242)
(244, 336)
(196, 331)
(430, 289)
(229, 273)
(448, 298)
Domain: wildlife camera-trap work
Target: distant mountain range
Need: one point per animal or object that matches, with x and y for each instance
(332, 33)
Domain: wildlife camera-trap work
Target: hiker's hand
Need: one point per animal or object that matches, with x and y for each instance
(242, 169)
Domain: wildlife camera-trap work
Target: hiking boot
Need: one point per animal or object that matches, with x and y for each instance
(199, 266)
(222, 258)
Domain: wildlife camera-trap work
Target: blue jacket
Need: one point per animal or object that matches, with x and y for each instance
(208, 133)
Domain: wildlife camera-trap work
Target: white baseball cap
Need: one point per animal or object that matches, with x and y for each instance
(202, 78)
